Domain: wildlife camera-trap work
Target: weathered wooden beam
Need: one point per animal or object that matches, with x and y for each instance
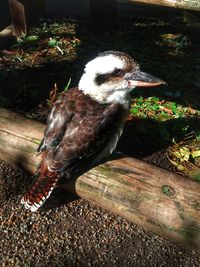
(156, 199)
(18, 18)
(25, 13)
(183, 4)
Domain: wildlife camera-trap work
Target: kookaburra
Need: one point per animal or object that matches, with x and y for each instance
(86, 122)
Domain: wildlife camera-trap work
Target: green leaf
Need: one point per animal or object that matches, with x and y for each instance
(27, 39)
(196, 154)
(174, 108)
(52, 42)
(68, 84)
(183, 154)
(31, 38)
(134, 110)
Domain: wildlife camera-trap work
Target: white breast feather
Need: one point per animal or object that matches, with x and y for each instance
(110, 147)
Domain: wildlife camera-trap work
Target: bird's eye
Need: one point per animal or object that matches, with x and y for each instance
(117, 72)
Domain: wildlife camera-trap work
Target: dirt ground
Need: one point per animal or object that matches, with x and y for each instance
(76, 233)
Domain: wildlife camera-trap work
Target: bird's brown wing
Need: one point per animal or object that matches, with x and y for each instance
(78, 129)
(57, 121)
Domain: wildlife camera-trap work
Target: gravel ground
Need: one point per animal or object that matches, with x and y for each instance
(76, 233)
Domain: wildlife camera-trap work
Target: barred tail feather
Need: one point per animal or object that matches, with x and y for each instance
(41, 188)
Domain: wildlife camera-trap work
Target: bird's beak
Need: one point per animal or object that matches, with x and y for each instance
(143, 79)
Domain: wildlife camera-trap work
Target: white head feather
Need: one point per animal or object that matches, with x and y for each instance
(107, 92)
(104, 64)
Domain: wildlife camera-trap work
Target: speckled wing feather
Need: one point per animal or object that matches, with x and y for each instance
(78, 129)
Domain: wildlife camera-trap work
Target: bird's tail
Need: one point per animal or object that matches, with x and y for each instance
(43, 184)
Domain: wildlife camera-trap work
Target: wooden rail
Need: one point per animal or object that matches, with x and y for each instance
(156, 199)
(103, 13)
(25, 13)
(183, 4)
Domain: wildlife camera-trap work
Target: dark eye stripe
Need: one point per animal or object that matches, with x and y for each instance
(117, 72)
(102, 78)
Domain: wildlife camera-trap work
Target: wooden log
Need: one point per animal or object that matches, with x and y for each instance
(183, 4)
(154, 198)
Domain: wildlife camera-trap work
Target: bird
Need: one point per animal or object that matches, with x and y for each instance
(86, 122)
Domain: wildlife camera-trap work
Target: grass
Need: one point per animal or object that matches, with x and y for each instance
(55, 52)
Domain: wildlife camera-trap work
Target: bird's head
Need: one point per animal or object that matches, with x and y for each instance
(112, 75)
